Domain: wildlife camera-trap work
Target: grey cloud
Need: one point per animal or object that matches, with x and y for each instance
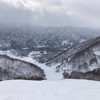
(52, 12)
(53, 2)
(10, 14)
(87, 10)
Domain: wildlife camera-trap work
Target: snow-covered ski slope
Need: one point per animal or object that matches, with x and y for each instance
(50, 90)
(49, 71)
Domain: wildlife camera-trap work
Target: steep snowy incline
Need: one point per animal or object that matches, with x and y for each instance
(50, 90)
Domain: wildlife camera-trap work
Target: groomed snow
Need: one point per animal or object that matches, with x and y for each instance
(50, 90)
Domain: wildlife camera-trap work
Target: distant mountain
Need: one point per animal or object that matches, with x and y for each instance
(80, 61)
(31, 37)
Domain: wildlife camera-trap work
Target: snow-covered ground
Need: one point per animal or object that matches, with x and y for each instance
(97, 53)
(50, 90)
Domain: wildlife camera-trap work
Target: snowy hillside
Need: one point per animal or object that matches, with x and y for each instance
(12, 67)
(63, 48)
(80, 61)
(50, 90)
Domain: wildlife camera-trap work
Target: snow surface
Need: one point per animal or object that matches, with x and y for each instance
(97, 53)
(50, 90)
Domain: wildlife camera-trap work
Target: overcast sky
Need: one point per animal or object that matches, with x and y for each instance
(51, 12)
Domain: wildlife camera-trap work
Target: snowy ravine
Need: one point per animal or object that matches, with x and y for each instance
(49, 71)
(50, 90)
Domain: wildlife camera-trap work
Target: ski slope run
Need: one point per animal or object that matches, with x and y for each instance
(49, 71)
